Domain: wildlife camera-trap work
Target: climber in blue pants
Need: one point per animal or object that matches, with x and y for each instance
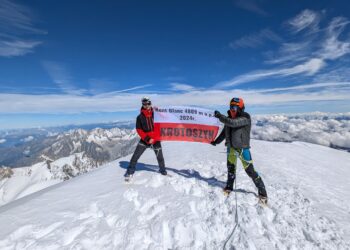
(237, 126)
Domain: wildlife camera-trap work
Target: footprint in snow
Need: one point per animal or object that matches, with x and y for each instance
(151, 209)
(93, 212)
(132, 196)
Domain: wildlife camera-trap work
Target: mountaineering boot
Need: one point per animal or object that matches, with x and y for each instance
(231, 175)
(257, 181)
(262, 192)
(263, 200)
(262, 195)
(227, 190)
(261, 187)
(128, 177)
(163, 172)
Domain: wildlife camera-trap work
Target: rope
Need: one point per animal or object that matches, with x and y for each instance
(236, 216)
(155, 149)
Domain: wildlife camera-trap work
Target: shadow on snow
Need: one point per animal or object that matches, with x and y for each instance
(187, 173)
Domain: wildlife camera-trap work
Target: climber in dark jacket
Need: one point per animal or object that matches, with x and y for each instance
(145, 129)
(236, 131)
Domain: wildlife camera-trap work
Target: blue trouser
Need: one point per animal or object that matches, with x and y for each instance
(244, 155)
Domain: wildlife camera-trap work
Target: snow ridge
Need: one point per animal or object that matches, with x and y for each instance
(101, 145)
(188, 210)
(63, 157)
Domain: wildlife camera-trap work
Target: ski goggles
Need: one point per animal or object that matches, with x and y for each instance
(234, 107)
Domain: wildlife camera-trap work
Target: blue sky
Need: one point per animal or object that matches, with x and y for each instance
(64, 62)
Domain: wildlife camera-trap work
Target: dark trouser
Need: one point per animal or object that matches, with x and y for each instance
(141, 147)
(247, 162)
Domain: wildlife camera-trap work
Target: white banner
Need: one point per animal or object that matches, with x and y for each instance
(179, 123)
(189, 115)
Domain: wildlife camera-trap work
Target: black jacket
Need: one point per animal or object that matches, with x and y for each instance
(236, 131)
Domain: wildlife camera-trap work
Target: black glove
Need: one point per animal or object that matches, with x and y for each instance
(213, 143)
(147, 138)
(217, 114)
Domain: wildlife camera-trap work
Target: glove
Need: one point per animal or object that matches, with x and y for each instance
(217, 114)
(213, 143)
(149, 140)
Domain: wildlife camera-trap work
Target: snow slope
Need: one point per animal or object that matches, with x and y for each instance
(27, 180)
(309, 207)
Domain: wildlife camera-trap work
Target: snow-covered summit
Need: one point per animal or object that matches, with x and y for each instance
(309, 203)
(99, 135)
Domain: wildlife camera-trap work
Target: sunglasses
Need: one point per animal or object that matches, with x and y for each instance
(146, 104)
(234, 107)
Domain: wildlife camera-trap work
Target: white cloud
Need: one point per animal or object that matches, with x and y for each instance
(290, 52)
(16, 21)
(308, 68)
(256, 39)
(16, 17)
(338, 74)
(103, 87)
(332, 47)
(100, 85)
(17, 47)
(28, 139)
(325, 44)
(2, 141)
(306, 87)
(26, 151)
(115, 102)
(303, 54)
(61, 76)
(250, 5)
(307, 19)
(124, 90)
(319, 128)
(181, 87)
